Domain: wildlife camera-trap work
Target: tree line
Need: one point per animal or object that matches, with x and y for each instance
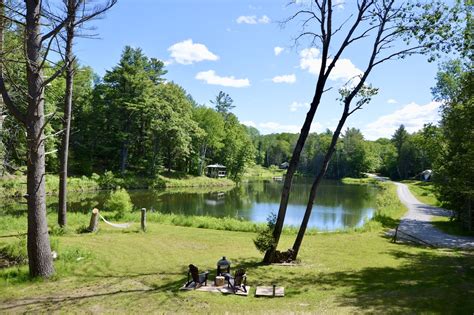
(133, 121)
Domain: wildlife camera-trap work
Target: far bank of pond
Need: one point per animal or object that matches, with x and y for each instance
(338, 206)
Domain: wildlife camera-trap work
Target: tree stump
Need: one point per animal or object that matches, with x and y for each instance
(143, 221)
(94, 224)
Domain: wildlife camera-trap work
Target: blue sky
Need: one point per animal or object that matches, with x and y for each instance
(239, 47)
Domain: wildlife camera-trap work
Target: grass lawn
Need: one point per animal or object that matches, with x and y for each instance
(423, 191)
(258, 172)
(339, 273)
(349, 272)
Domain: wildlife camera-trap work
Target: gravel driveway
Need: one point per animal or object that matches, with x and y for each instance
(416, 222)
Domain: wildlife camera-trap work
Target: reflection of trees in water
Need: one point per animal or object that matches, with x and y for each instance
(330, 194)
(336, 206)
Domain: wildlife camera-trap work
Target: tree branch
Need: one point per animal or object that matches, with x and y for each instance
(15, 111)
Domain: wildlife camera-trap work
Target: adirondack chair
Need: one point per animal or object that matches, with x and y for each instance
(195, 277)
(238, 281)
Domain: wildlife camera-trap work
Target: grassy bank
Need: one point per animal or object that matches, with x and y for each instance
(128, 271)
(388, 207)
(184, 180)
(388, 211)
(258, 172)
(423, 191)
(15, 186)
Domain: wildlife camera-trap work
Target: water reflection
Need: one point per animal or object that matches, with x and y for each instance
(337, 206)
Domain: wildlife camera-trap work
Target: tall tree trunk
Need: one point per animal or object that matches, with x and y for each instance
(123, 156)
(285, 193)
(63, 172)
(315, 185)
(39, 249)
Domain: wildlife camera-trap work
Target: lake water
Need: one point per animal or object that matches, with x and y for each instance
(337, 205)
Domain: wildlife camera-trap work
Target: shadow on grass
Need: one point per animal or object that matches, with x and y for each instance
(56, 302)
(426, 282)
(451, 227)
(386, 221)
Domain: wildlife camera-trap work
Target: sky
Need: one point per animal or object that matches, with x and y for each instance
(242, 48)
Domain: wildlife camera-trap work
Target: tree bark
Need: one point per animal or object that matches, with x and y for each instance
(63, 172)
(285, 194)
(315, 185)
(39, 249)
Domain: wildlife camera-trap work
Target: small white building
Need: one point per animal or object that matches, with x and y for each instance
(216, 171)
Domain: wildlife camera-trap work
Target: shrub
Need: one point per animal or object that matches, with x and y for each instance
(109, 181)
(119, 201)
(265, 240)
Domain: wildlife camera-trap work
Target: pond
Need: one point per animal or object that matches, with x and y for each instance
(337, 205)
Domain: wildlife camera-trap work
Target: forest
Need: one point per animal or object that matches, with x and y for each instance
(123, 131)
(133, 122)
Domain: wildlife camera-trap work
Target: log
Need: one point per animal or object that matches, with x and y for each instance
(143, 221)
(94, 224)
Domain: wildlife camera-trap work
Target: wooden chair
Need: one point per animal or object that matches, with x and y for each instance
(195, 277)
(238, 281)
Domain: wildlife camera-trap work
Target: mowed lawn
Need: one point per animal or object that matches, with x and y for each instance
(135, 272)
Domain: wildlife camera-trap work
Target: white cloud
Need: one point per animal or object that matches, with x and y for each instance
(264, 20)
(344, 69)
(274, 127)
(286, 78)
(295, 106)
(412, 115)
(340, 4)
(249, 123)
(392, 101)
(247, 19)
(278, 50)
(210, 77)
(187, 52)
(253, 19)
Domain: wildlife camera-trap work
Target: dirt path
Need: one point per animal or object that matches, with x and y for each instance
(417, 222)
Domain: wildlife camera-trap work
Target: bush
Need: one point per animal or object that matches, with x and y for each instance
(16, 251)
(119, 201)
(265, 240)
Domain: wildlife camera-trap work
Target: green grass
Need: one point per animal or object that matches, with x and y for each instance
(423, 191)
(360, 181)
(449, 226)
(15, 186)
(128, 271)
(258, 172)
(173, 180)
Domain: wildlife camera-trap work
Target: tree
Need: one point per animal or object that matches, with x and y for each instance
(212, 123)
(238, 150)
(174, 126)
(223, 103)
(36, 53)
(399, 139)
(453, 171)
(78, 13)
(127, 100)
(385, 23)
(354, 152)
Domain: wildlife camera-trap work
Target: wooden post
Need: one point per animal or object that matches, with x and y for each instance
(94, 224)
(143, 221)
(274, 289)
(394, 240)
